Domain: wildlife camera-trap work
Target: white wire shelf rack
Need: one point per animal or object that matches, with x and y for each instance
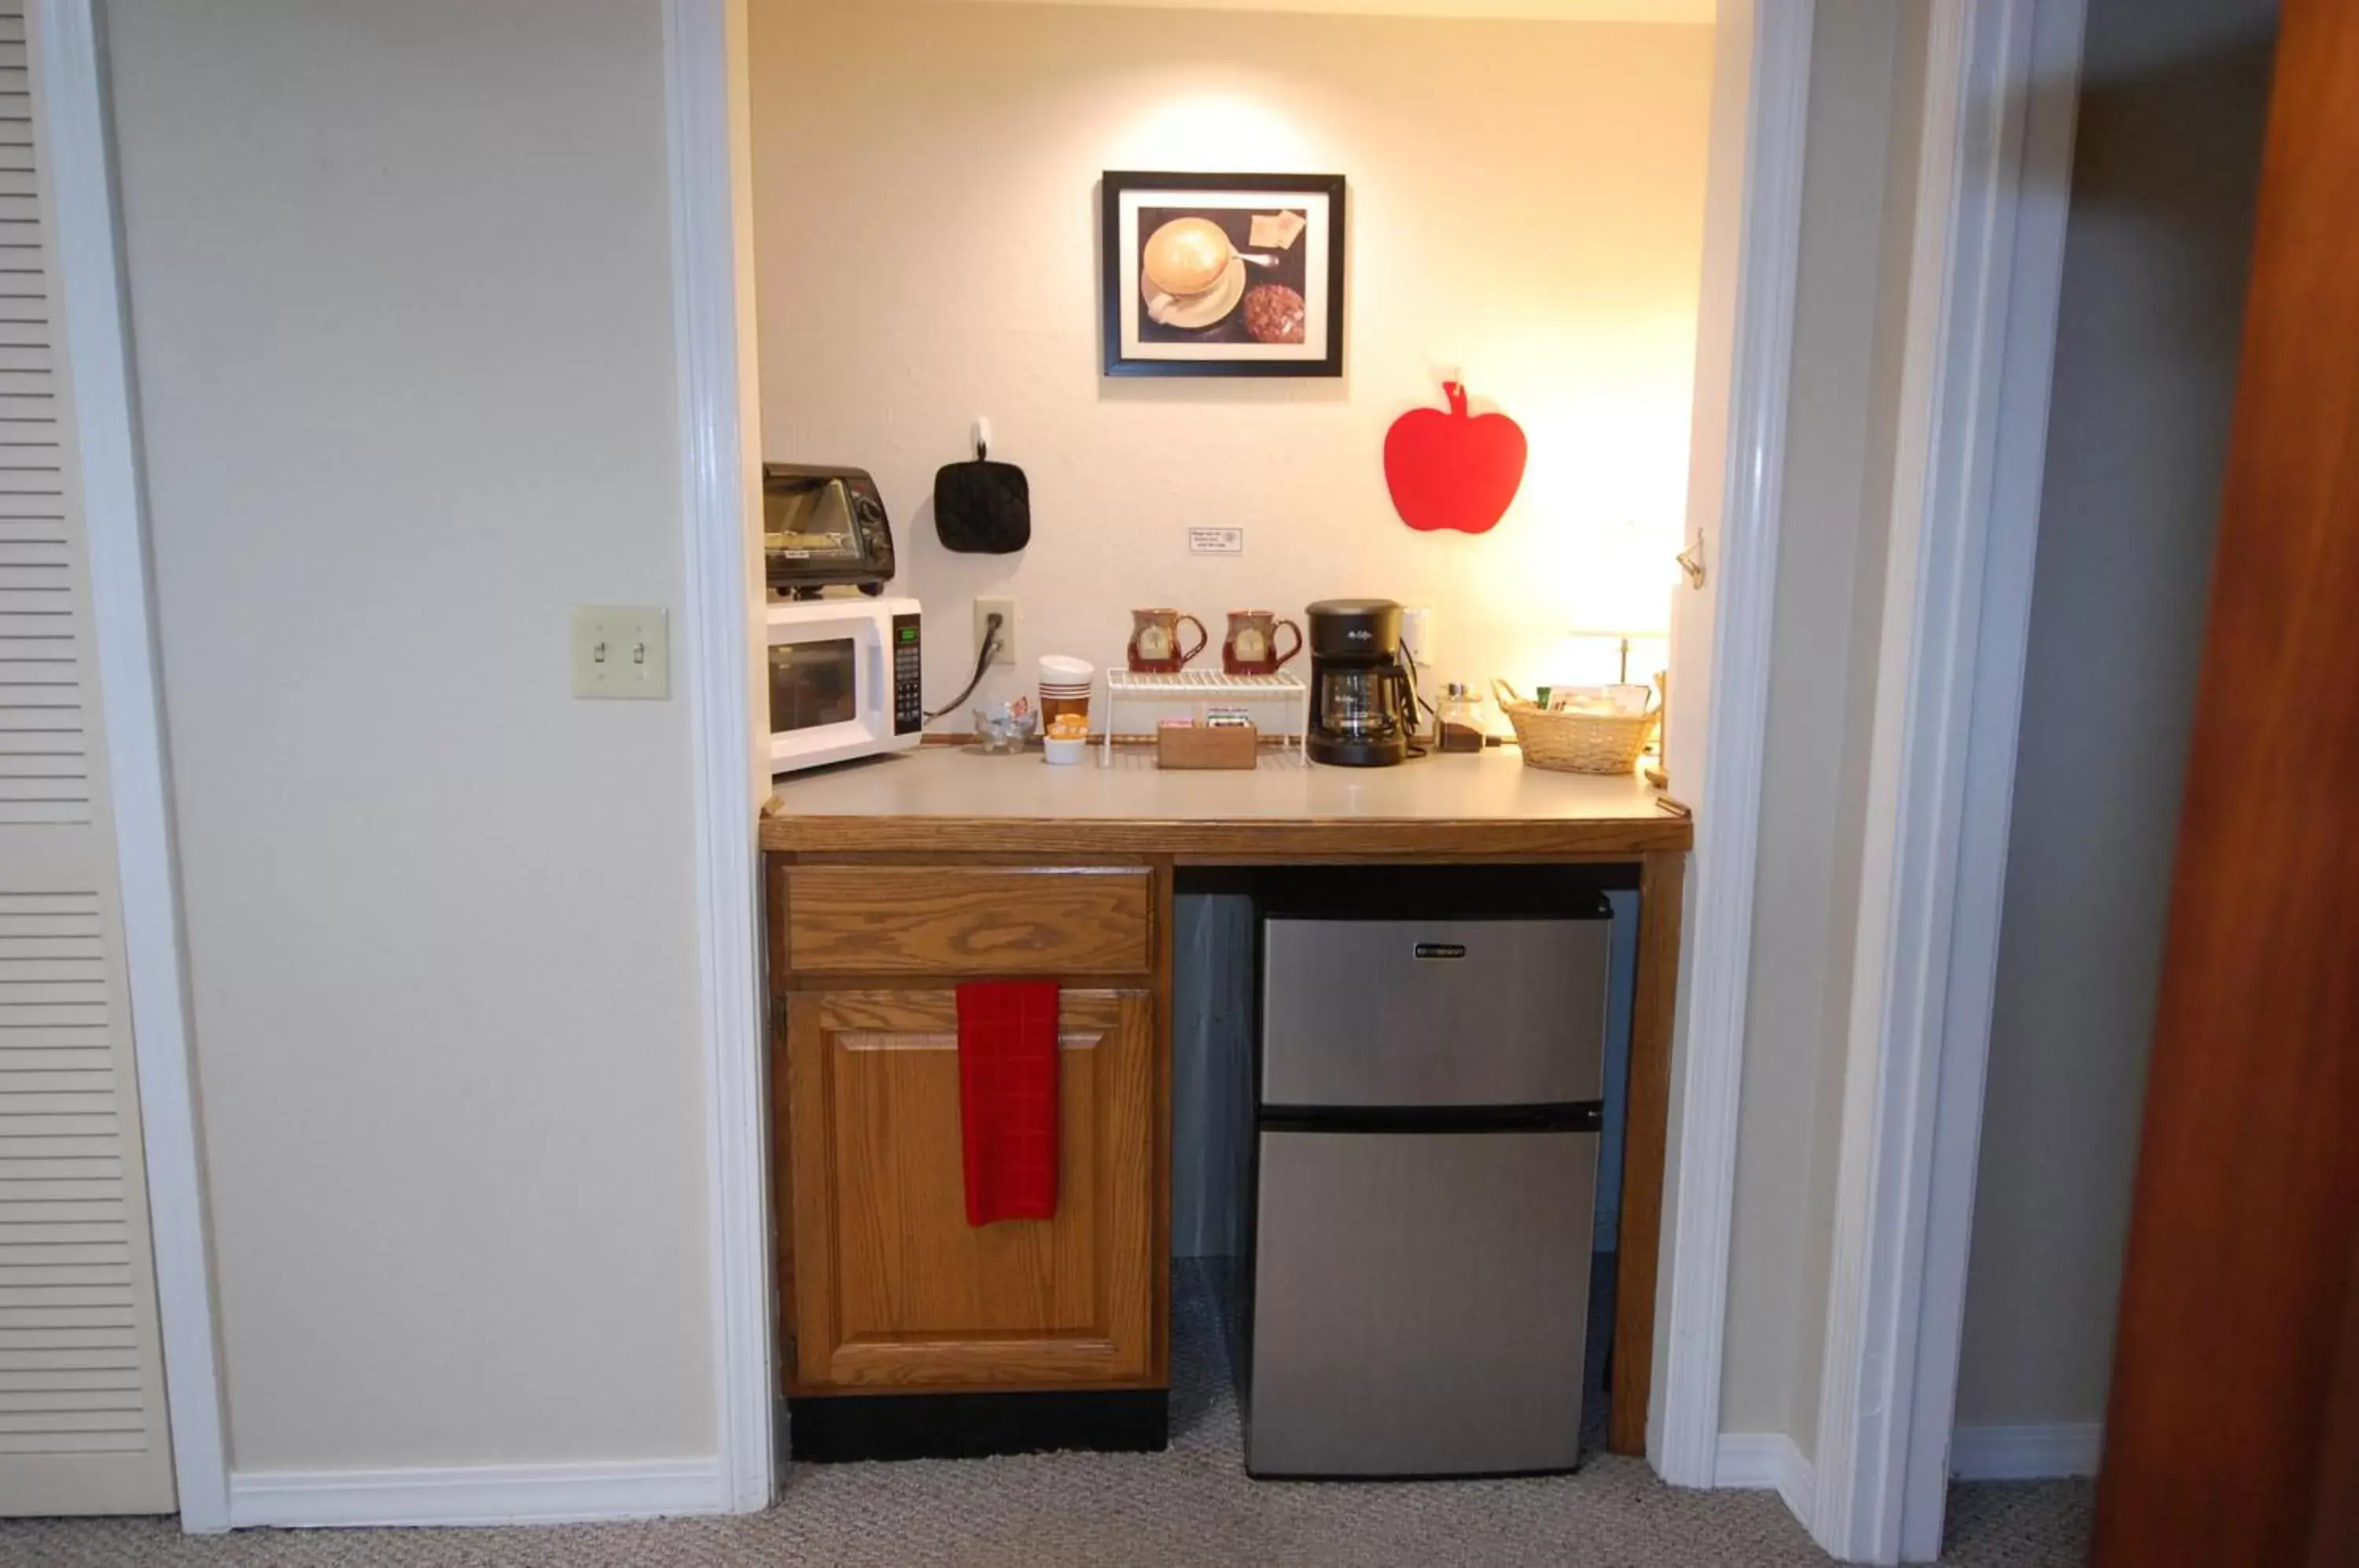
(1204, 689)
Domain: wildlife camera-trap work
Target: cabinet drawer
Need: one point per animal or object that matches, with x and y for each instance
(968, 920)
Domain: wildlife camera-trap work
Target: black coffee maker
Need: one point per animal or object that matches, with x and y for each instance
(1363, 705)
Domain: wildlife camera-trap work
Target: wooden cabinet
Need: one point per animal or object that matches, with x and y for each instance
(884, 1285)
(893, 1289)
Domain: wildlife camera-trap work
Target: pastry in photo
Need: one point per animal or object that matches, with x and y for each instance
(1274, 313)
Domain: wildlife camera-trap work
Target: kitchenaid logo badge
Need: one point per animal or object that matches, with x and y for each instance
(1441, 950)
(1360, 634)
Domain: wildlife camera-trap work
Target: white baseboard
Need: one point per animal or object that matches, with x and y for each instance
(478, 1495)
(1767, 1461)
(2026, 1453)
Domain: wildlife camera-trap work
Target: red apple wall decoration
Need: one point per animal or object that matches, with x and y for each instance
(1450, 470)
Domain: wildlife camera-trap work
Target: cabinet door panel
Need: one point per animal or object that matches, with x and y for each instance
(893, 1287)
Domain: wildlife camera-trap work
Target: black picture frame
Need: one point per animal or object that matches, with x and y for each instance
(1134, 345)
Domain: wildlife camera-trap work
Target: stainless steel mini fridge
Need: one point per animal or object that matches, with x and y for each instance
(1427, 1121)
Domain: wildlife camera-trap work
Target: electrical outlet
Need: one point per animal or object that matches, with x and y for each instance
(620, 650)
(1005, 610)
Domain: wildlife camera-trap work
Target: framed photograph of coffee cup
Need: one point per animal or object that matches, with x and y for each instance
(1222, 274)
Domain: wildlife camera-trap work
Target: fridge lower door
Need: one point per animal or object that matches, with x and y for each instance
(1419, 1301)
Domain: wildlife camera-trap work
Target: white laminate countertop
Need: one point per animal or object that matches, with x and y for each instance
(1131, 804)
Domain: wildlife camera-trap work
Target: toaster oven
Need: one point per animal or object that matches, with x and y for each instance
(823, 528)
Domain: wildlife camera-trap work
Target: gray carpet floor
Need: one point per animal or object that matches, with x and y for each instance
(1191, 1505)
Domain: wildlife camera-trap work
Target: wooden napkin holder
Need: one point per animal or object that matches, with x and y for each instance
(1181, 744)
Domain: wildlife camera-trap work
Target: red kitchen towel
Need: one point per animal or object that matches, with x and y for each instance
(1007, 1098)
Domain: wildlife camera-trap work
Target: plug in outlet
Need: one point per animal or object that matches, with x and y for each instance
(1005, 610)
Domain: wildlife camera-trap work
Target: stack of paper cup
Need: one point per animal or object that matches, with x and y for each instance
(1065, 685)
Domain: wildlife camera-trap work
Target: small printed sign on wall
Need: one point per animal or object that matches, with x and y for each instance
(1216, 541)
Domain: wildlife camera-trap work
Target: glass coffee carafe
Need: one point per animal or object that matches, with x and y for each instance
(1361, 703)
(1360, 713)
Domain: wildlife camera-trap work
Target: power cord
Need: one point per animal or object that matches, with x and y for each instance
(1415, 701)
(991, 625)
(1416, 698)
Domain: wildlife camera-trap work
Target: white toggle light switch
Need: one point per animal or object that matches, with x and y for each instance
(620, 650)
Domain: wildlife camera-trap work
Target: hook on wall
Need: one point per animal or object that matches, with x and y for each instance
(1690, 561)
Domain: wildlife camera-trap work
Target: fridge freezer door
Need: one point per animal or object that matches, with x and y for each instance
(1419, 1302)
(1433, 1012)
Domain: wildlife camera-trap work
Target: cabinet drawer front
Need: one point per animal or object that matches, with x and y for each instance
(893, 1288)
(968, 920)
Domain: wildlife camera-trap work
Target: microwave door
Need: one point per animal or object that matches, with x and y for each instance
(824, 691)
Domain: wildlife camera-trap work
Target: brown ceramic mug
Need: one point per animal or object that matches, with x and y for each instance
(1251, 647)
(1155, 641)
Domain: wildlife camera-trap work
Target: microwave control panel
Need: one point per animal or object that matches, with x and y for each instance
(908, 701)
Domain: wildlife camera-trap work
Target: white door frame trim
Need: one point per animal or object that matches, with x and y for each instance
(1982, 332)
(704, 59)
(96, 353)
(1685, 1444)
(1986, 270)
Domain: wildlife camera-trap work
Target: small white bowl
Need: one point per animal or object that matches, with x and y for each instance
(1064, 670)
(1064, 753)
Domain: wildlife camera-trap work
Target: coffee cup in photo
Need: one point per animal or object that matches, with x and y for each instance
(1186, 256)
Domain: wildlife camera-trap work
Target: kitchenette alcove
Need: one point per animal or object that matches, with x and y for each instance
(952, 261)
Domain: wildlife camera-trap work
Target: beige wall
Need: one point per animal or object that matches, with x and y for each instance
(2166, 163)
(1857, 195)
(402, 295)
(1525, 201)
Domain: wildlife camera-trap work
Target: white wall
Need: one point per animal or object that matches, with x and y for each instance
(401, 297)
(2166, 163)
(1525, 201)
(1857, 200)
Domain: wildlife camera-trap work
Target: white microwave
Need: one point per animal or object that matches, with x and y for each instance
(843, 679)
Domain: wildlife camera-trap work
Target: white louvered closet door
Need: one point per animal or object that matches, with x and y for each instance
(81, 1387)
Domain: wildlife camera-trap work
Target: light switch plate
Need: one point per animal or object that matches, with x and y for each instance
(622, 650)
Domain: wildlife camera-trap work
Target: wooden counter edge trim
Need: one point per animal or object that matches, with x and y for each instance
(1159, 1177)
(1239, 838)
(1644, 1148)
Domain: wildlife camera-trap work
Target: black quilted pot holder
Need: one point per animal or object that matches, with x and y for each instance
(983, 507)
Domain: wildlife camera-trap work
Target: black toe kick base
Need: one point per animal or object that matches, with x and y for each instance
(844, 1428)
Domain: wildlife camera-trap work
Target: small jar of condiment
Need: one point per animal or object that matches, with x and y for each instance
(1463, 723)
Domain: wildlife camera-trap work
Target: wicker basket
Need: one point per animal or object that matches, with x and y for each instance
(1576, 743)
